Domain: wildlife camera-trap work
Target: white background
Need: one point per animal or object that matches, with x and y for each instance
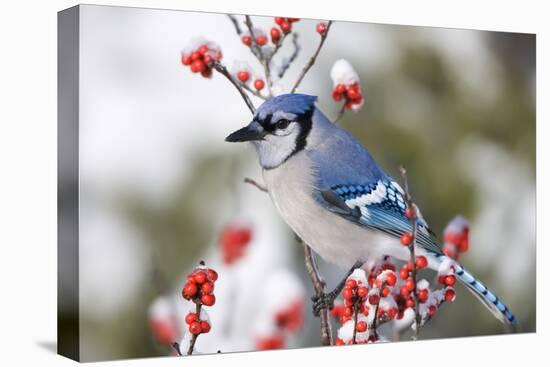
(28, 189)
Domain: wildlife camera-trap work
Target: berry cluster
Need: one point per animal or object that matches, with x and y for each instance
(351, 94)
(201, 56)
(456, 237)
(260, 38)
(244, 76)
(233, 241)
(198, 325)
(199, 286)
(285, 23)
(276, 341)
(162, 321)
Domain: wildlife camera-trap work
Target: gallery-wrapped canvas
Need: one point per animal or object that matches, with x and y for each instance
(235, 183)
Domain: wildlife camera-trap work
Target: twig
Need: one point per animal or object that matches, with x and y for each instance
(413, 220)
(235, 24)
(374, 325)
(256, 184)
(176, 347)
(195, 336)
(341, 113)
(319, 287)
(313, 58)
(223, 70)
(355, 317)
(254, 92)
(257, 51)
(286, 65)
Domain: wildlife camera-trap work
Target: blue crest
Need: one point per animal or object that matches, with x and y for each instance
(294, 103)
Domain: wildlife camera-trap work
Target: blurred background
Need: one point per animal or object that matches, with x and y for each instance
(160, 190)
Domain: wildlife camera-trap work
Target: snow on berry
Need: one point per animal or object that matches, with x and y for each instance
(456, 237)
(359, 276)
(346, 331)
(346, 85)
(285, 23)
(241, 71)
(200, 55)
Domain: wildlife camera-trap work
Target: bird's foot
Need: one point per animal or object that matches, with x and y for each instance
(324, 301)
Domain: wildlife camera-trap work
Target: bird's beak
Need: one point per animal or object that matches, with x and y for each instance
(253, 131)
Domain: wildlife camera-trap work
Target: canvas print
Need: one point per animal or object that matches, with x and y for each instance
(246, 183)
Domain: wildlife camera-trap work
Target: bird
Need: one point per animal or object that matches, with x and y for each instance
(331, 192)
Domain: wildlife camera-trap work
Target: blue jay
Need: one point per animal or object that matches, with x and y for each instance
(331, 192)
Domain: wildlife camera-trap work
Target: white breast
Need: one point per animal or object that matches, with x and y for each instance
(335, 239)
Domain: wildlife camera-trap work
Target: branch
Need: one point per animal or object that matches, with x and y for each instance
(257, 51)
(313, 58)
(256, 184)
(235, 23)
(413, 220)
(341, 113)
(293, 56)
(319, 287)
(176, 347)
(223, 70)
(195, 336)
(253, 92)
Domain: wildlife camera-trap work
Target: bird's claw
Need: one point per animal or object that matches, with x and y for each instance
(325, 300)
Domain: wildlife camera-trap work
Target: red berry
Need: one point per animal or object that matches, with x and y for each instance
(285, 26)
(275, 35)
(449, 294)
(422, 295)
(372, 338)
(279, 20)
(195, 328)
(344, 319)
(200, 277)
(261, 40)
(361, 326)
(409, 284)
(190, 318)
(259, 84)
(336, 96)
(212, 275)
(207, 58)
(347, 293)
(205, 327)
(404, 291)
(391, 279)
(218, 55)
(339, 342)
(321, 28)
(195, 56)
(406, 238)
(189, 290)
(198, 66)
(404, 273)
(409, 303)
(353, 93)
(410, 212)
(392, 312)
(186, 59)
(441, 279)
(421, 262)
(203, 49)
(348, 312)
(450, 280)
(243, 76)
(374, 299)
(292, 20)
(362, 292)
(351, 283)
(208, 299)
(385, 292)
(247, 40)
(207, 288)
(207, 73)
(432, 310)
(340, 88)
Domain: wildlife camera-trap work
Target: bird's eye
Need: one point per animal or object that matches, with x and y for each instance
(282, 124)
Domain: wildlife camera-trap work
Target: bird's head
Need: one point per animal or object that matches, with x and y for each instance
(279, 128)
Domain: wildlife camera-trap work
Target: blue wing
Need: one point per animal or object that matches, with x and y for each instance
(354, 187)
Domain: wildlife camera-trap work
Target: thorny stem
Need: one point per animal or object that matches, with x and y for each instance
(413, 220)
(223, 70)
(195, 336)
(319, 287)
(313, 58)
